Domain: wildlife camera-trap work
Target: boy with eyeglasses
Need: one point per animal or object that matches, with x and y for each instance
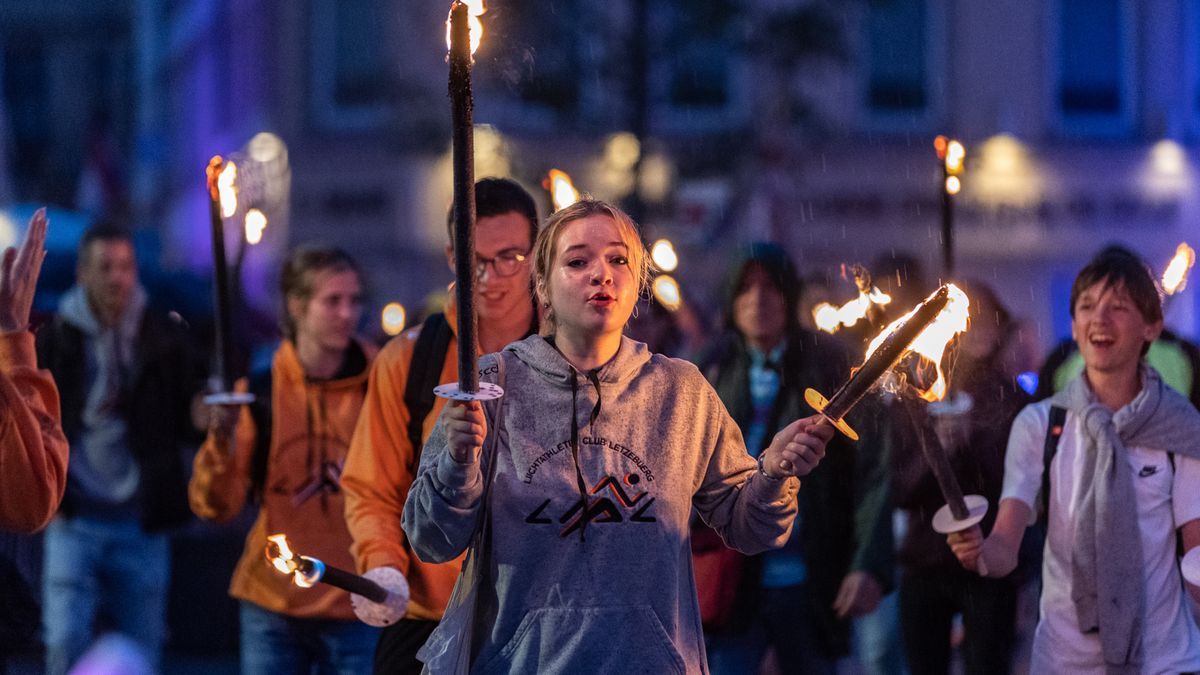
(400, 411)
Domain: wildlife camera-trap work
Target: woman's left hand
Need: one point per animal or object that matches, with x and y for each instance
(797, 448)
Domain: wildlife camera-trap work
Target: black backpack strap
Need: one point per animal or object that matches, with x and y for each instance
(260, 412)
(1054, 430)
(424, 373)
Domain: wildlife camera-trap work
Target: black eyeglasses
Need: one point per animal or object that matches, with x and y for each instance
(503, 265)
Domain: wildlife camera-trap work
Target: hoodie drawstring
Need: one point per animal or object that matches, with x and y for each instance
(315, 428)
(594, 378)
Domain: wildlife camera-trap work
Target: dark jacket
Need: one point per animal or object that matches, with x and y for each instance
(156, 407)
(845, 510)
(979, 466)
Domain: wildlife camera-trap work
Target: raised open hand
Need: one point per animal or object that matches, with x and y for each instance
(19, 271)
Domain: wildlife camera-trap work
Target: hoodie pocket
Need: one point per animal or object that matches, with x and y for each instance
(627, 639)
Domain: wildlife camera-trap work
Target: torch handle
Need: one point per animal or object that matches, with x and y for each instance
(221, 299)
(354, 584)
(463, 148)
(943, 472)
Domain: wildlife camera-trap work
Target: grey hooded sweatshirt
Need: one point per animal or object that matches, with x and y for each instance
(608, 588)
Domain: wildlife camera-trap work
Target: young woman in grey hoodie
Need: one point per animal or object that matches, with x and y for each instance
(601, 451)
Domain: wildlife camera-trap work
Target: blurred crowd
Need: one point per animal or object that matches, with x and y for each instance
(154, 501)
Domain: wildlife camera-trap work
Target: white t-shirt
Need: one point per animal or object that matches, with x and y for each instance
(1166, 499)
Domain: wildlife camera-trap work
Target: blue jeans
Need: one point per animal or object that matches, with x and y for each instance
(785, 622)
(277, 644)
(100, 566)
(877, 639)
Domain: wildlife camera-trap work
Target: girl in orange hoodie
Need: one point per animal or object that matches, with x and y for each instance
(291, 468)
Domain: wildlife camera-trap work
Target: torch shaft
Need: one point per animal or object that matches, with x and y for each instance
(354, 584)
(943, 472)
(463, 145)
(947, 225)
(221, 299)
(885, 356)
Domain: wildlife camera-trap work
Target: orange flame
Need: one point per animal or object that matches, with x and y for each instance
(227, 189)
(667, 292)
(280, 554)
(562, 190)
(1174, 278)
(831, 319)
(475, 9)
(256, 223)
(287, 562)
(932, 342)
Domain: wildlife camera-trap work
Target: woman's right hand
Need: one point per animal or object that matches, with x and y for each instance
(967, 547)
(466, 428)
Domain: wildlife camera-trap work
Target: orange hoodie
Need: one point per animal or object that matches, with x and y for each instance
(378, 475)
(311, 425)
(33, 450)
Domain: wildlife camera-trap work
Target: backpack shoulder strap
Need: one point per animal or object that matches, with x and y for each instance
(424, 371)
(1054, 430)
(260, 412)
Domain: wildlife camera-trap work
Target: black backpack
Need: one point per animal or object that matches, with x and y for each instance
(424, 373)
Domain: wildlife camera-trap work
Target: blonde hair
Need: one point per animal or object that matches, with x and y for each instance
(547, 241)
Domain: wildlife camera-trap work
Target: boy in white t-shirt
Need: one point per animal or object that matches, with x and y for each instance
(1124, 478)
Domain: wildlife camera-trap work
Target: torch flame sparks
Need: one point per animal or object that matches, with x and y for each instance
(475, 9)
(1174, 278)
(227, 188)
(932, 342)
(831, 319)
(562, 190)
(281, 556)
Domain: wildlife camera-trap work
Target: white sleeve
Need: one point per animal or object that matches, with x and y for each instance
(1023, 460)
(1185, 491)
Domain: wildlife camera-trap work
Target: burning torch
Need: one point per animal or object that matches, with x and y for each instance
(378, 601)
(951, 153)
(869, 305)
(463, 35)
(222, 197)
(1175, 276)
(926, 330)
(1174, 280)
(562, 191)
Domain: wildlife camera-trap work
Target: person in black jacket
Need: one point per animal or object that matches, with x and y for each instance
(838, 563)
(971, 426)
(126, 377)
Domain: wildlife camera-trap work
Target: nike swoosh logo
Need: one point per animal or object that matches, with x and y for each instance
(1147, 471)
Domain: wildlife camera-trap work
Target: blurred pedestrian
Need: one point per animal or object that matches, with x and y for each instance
(126, 376)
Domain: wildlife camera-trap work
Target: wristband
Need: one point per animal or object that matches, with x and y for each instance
(763, 471)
